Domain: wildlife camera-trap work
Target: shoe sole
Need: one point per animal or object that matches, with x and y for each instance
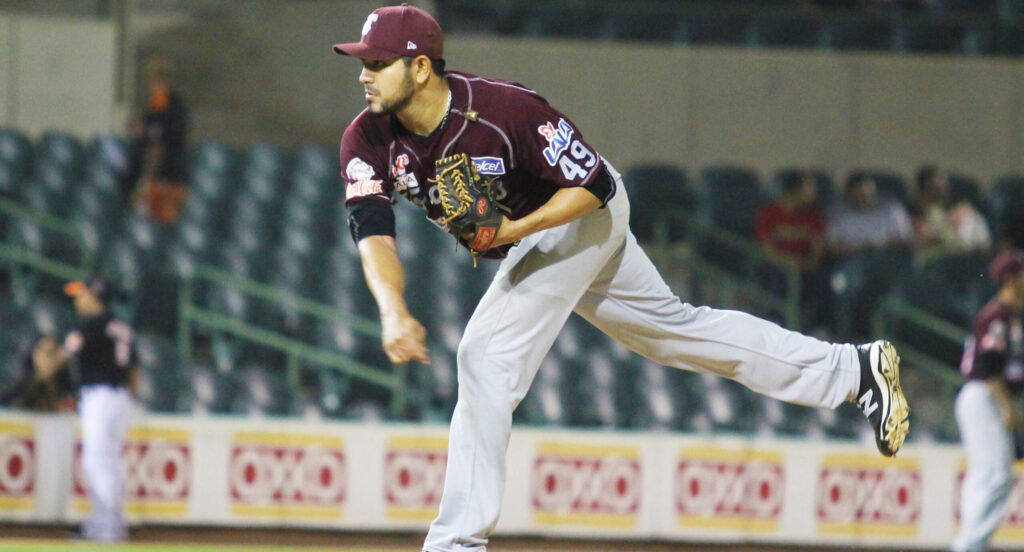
(895, 422)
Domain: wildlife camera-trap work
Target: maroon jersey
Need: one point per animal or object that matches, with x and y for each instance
(527, 149)
(998, 335)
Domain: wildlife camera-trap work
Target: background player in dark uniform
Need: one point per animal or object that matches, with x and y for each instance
(102, 353)
(986, 407)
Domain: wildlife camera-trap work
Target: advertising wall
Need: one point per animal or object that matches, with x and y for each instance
(239, 472)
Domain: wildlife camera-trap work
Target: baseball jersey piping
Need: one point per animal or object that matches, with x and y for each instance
(469, 107)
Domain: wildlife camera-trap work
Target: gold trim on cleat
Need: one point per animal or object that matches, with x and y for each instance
(896, 425)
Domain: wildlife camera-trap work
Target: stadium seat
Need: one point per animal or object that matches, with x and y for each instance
(671, 200)
(966, 188)
(797, 31)
(15, 149)
(1005, 199)
(639, 26)
(723, 29)
(730, 197)
(890, 184)
(59, 149)
(948, 8)
(1009, 39)
(212, 157)
(731, 407)
(931, 36)
(549, 399)
(857, 33)
(270, 394)
(52, 316)
(164, 387)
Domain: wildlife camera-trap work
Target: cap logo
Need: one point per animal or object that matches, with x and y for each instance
(369, 23)
(410, 45)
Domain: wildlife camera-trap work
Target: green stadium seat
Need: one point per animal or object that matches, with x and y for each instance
(782, 31)
(640, 26)
(730, 197)
(714, 28)
(669, 200)
(16, 149)
(212, 157)
(857, 33)
(932, 36)
(890, 184)
(164, 387)
(1005, 202)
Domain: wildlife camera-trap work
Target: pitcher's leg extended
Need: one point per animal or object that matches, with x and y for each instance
(631, 303)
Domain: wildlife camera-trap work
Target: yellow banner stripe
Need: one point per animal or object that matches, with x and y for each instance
(870, 530)
(612, 521)
(156, 508)
(16, 429)
(598, 451)
(182, 436)
(279, 511)
(419, 443)
(17, 503)
(869, 461)
(731, 455)
(287, 439)
(412, 514)
(729, 523)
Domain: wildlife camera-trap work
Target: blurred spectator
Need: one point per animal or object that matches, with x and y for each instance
(868, 238)
(44, 383)
(156, 176)
(792, 231)
(942, 226)
(864, 220)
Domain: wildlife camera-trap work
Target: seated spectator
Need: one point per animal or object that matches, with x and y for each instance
(792, 231)
(863, 220)
(942, 226)
(44, 383)
(869, 238)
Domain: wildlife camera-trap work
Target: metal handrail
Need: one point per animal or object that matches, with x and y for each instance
(190, 315)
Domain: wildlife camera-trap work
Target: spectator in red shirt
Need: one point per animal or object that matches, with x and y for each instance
(792, 230)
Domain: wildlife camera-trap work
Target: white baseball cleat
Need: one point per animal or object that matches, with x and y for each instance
(880, 396)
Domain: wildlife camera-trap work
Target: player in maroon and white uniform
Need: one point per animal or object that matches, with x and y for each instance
(986, 407)
(567, 211)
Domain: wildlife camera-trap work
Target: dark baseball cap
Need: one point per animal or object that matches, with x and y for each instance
(95, 284)
(1006, 264)
(396, 31)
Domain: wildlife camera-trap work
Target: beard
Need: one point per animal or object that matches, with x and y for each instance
(400, 100)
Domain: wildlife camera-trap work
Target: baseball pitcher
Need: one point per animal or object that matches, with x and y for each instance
(512, 178)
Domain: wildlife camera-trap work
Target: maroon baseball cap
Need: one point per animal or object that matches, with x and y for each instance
(1006, 264)
(396, 31)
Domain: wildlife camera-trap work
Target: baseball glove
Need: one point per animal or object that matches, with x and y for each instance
(470, 212)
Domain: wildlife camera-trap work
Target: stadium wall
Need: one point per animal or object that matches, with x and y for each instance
(57, 74)
(246, 472)
(250, 81)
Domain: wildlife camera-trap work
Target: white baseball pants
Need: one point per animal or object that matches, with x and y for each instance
(105, 411)
(595, 267)
(989, 449)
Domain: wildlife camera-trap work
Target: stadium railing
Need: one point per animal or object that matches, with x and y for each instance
(193, 317)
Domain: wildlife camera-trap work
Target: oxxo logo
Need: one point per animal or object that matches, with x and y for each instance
(569, 483)
(856, 493)
(414, 472)
(17, 466)
(724, 485)
(296, 473)
(156, 471)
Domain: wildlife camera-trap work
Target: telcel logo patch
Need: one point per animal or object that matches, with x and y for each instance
(489, 165)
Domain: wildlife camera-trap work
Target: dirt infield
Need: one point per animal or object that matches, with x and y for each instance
(395, 541)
